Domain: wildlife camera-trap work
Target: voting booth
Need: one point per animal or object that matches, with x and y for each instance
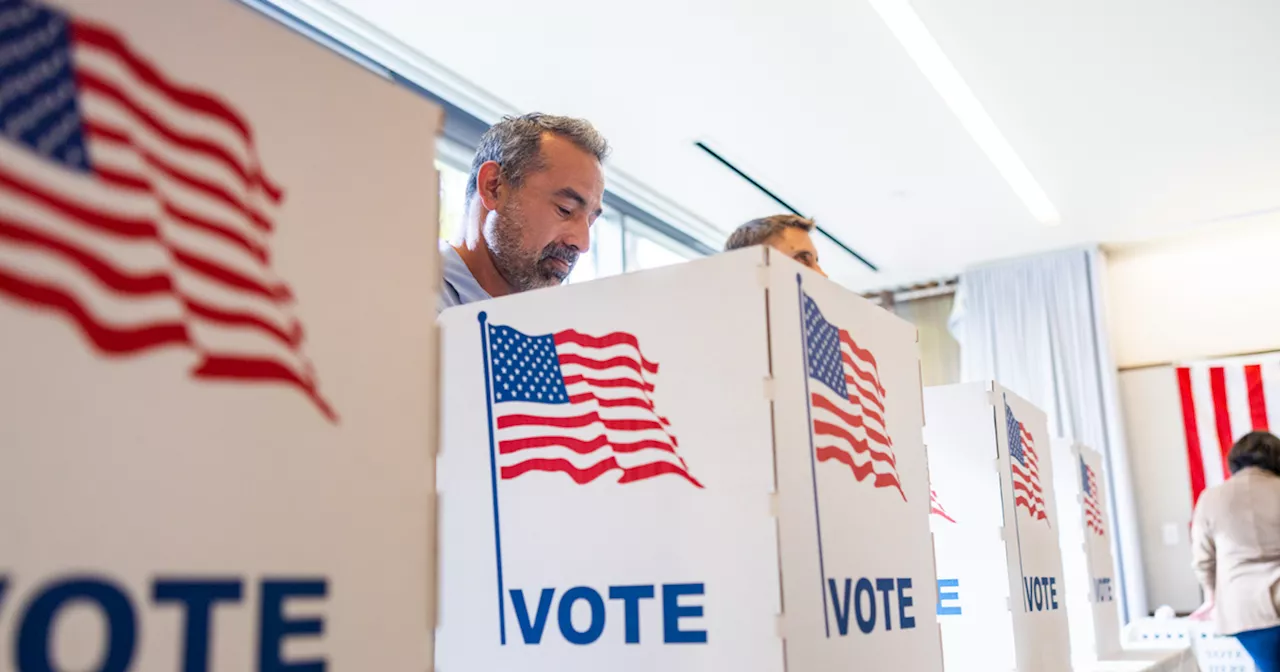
(1085, 536)
(215, 353)
(710, 466)
(1000, 579)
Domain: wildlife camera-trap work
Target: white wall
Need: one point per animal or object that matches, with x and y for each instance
(1162, 487)
(1210, 294)
(1213, 293)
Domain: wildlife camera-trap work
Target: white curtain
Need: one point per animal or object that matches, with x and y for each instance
(1036, 325)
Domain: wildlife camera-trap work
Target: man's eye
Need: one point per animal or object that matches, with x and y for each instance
(564, 212)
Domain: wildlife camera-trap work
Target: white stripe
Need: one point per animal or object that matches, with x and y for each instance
(219, 252)
(133, 255)
(79, 188)
(42, 267)
(1271, 388)
(187, 121)
(1207, 423)
(1237, 400)
(230, 342)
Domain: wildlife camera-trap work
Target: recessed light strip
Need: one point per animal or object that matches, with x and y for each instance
(915, 37)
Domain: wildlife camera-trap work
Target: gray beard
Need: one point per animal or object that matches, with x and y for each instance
(523, 270)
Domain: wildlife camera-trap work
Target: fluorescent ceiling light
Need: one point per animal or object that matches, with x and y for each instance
(937, 68)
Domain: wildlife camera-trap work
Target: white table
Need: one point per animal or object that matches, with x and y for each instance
(1147, 660)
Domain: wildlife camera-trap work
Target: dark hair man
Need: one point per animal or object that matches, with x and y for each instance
(789, 234)
(535, 188)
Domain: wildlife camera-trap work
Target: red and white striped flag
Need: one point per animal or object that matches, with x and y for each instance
(935, 507)
(137, 207)
(1222, 400)
(847, 402)
(577, 404)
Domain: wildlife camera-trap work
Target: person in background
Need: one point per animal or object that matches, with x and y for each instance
(1236, 543)
(535, 188)
(788, 234)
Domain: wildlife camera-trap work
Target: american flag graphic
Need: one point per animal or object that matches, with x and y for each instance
(935, 507)
(580, 405)
(1025, 465)
(847, 402)
(1222, 400)
(136, 207)
(1092, 505)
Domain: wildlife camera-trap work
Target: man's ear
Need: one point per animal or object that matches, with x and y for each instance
(489, 184)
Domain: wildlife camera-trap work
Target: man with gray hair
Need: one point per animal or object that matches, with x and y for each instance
(788, 234)
(535, 188)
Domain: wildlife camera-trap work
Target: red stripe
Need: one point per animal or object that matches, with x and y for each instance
(632, 402)
(1029, 478)
(864, 393)
(866, 377)
(194, 182)
(194, 100)
(1195, 459)
(108, 339)
(235, 318)
(940, 512)
(860, 471)
(821, 428)
(583, 476)
(608, 340)
(608, 382)
(229, 277)
(250, 369)
(127, 228)
(1221, 414)
(579, 446)
(116, 279)
(1257, 397)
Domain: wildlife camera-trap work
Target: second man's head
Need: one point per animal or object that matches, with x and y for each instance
(538, 185)
(789, 234)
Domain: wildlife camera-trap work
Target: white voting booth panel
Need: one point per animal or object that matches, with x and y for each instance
(653, 506)
(215, 352)
(1085, 538)
(995, 532)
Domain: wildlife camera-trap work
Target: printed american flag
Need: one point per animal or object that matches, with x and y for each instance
(1025, 465)
(1092, 505)
(580, 405)
(935, 507)
(847, 402)
(136, 207)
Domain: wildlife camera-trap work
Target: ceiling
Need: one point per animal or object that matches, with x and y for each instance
(1139, 118)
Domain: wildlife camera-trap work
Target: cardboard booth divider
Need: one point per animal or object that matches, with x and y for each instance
(716, 465)
(216, 363)
(1086, 541)
(995, 531)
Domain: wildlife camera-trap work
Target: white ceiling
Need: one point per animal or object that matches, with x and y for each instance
(1140, 118)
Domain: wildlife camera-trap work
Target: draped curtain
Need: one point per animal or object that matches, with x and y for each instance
(1037, 326)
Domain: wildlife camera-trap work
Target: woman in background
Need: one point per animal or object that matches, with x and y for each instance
(1236, 543)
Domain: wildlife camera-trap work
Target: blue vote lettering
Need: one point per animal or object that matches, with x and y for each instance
(949, 596)
(860, 599)
(36, 623)
(676, 611)
(1103, 590)
(1040, 592)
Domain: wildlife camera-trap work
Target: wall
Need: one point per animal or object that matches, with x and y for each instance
(1203, 295)
(1210, 294)
(1162, 487)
